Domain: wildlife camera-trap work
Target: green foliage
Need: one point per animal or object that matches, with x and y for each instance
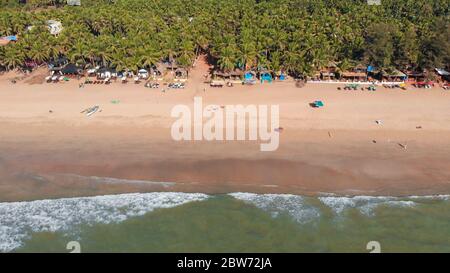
(299, 36)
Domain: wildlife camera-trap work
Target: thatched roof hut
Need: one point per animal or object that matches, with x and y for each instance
(221, 75)
(58, 63)
(158, 70)
(394, 75)
(416, 75)
(71, 69)
(353, 75)
(181, 73)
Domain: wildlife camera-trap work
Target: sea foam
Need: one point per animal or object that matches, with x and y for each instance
(294, 205)
(365, 204)
(18, 219)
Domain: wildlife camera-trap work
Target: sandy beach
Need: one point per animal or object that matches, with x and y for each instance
(48, 149)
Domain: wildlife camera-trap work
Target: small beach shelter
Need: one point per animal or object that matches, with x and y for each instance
(445, 75)
(249, 75)
(351, 75)
(415, 75)
(219, 75)
(71, 69)
(236, 75)
(143, 74)
(156, 71)
(280, 75)
(181, 73)
(106, 73)
(58, 63)
(394, 75)
(328, 72)
(265, 75)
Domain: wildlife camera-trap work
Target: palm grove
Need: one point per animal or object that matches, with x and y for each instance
(297, 36)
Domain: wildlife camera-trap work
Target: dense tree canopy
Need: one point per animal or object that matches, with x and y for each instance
(299, 36)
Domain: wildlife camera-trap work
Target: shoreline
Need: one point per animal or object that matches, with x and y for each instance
(337, 149)
(307, 163)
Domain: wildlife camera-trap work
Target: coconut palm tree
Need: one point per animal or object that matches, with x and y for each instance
(227, 59)
(13, 57)
(300, 36)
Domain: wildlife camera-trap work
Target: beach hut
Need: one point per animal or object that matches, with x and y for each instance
(58, 64)
(249, 77)
(416, 75)
(265, 76)
(220, 75)
(106, 73)
(281, 75)
(393, 75)
(92, 71)
(357, 73)
(443, 74)
(181, 74)
(325, 75)
(143, 74)
(156, 71)
(55, 27)
(354, 76)
(236, 76)
(71, 69)
(219, 79)
(222, 78)
(328, 72)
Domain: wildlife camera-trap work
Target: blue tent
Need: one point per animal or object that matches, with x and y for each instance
(265, 76)
(249, 76)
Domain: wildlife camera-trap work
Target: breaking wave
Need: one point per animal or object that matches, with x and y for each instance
(19, 219)
(365, 204)
(294, 205)
(303, 209)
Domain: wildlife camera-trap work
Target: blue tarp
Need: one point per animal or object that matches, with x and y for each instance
(266, 77)
(10, 38)
(248, 76)
(318, 103)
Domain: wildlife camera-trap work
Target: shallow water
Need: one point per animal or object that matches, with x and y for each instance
(238, 222)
